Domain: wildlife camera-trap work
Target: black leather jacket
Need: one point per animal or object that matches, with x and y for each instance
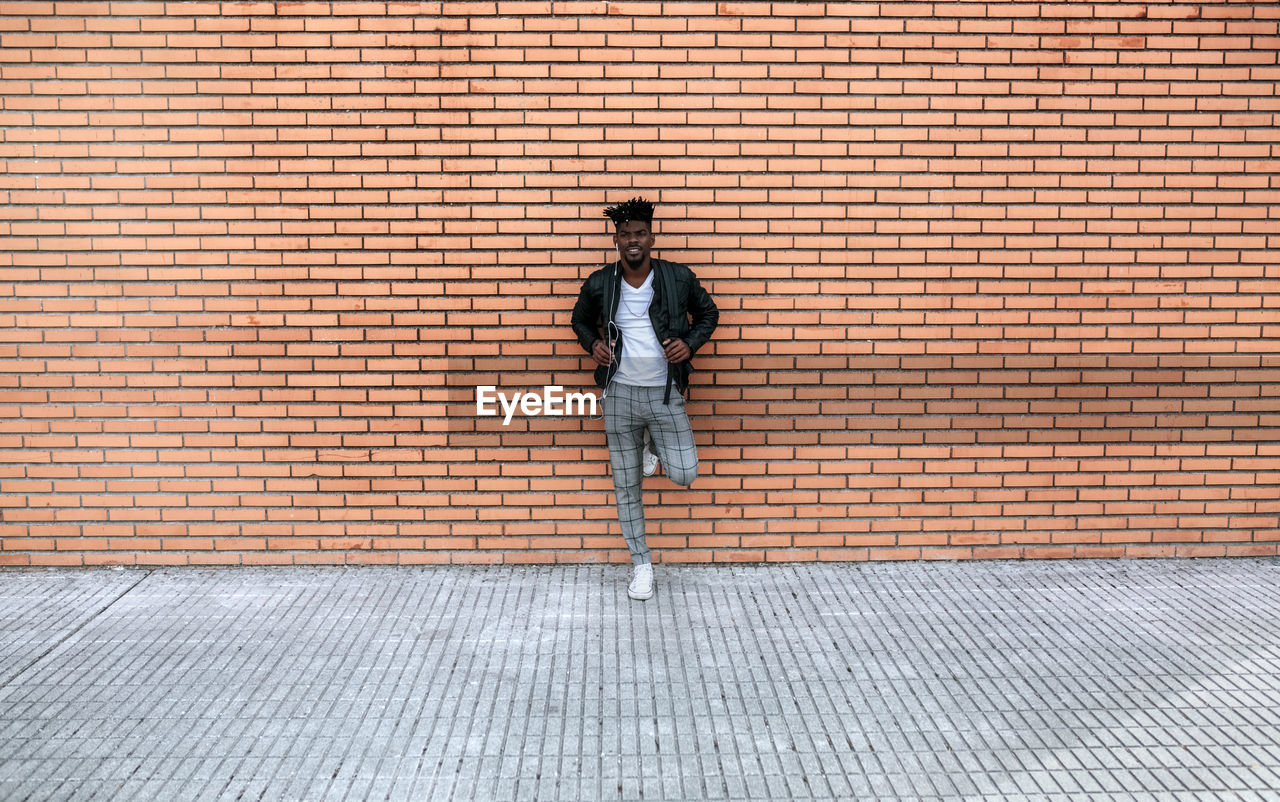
(677, 297)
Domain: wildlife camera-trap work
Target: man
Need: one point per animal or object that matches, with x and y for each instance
(641, 319)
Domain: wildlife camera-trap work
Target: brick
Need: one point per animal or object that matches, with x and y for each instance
(1009, 225)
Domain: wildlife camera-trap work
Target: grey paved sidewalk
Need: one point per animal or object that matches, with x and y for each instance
(1100, 680)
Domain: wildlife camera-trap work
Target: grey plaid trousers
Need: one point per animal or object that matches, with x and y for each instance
(628, 412)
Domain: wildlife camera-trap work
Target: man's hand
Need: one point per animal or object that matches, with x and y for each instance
(677, 350)
(601, 352)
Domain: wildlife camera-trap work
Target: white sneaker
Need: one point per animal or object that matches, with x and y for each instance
(650, 466)
(641, 587)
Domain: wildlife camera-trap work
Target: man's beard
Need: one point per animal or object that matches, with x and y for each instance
(633, 262)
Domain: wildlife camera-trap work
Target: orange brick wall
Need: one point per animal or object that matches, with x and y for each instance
(996, 280)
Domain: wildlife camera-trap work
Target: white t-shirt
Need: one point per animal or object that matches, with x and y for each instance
(643, 362)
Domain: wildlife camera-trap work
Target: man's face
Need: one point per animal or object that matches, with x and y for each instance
(634, 241)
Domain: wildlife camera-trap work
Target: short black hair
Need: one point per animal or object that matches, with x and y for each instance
(634, 209)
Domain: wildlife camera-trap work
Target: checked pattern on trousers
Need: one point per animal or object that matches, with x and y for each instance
(628, 412)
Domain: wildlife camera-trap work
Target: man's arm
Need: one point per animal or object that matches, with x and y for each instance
(585, 314)
(704, 315)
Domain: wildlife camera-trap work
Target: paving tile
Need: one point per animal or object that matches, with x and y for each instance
(1125, 680)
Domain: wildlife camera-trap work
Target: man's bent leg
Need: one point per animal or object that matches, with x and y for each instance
(673, 439)
(624, 430)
